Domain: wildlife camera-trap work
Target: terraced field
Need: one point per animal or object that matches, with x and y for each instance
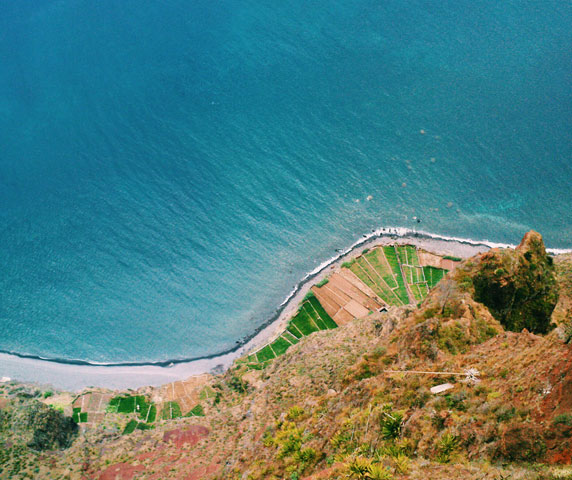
(396, 274)
(380, 277)
(311, 317)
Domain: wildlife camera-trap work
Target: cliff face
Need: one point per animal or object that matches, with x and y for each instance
(518, 286)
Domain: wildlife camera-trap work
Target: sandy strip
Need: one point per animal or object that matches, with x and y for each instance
(78, 377)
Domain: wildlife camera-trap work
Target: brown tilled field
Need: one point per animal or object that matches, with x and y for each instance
(346, 297)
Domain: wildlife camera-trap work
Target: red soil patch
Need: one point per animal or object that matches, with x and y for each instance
(121, 471)
(191, 435)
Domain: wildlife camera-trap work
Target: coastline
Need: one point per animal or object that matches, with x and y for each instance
(77, 374)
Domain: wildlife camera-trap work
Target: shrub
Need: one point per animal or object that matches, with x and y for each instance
(359, 468)
(306, 455)
(295, 412)
(448, 443)
(563, 419)
(238, 384)
(378, 472)
(401, 463)
(390, 424)
(308, 296)
(456, 401)
(322, 282)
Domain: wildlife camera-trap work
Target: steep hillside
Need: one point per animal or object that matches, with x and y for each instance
(442, 390)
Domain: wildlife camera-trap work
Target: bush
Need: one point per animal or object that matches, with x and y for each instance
(563, 419)
(448, 443)
(238, 384)
(295, 412)
(348, 264)
(391, 424)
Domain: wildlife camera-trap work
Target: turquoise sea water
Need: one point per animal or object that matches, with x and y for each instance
(169, 170)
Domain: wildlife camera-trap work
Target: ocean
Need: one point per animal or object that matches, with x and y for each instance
(170, 170)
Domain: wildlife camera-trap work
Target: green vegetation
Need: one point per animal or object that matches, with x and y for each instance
(170, 411)
(518, 286)
(390, 423)
(563, 419)
(126, 404)
(389, 271)
(207, 393)
(152, 415)
(197, 411)
(447, 445)
(134, 424)
(371, 271)
(130, 427)
(291, 338)
(450, 257)
(322, 282)
(79, 416)
(433, 275)
(280, 346)
(408, 255)
(265, 354)
(311, 317)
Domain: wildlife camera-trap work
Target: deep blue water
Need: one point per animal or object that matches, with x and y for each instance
(170, 169)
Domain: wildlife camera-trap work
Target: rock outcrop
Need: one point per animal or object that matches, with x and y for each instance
(518, 286)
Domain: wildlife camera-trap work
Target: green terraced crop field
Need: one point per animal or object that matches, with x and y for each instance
(394, 273)
(311, 317)
(171, 410)
(433, 275)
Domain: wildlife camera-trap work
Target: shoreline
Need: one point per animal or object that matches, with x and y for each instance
(78, 374)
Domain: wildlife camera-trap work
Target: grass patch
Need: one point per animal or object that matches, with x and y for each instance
(433, 275)
(294, 332)
(280, 346)
(322, 282)
(393, 261)
(303, 322)
(144, 426)
(152, 415)
(408, 255)
(130, 427)
(170, 411)
(290, 337)
(455, 259)
(564, 419)
(328, 321)
(197, 411)
(368, 276)
(208, 392)
(265, 354)
(349, 264)
(126, 405)
(79, 416)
